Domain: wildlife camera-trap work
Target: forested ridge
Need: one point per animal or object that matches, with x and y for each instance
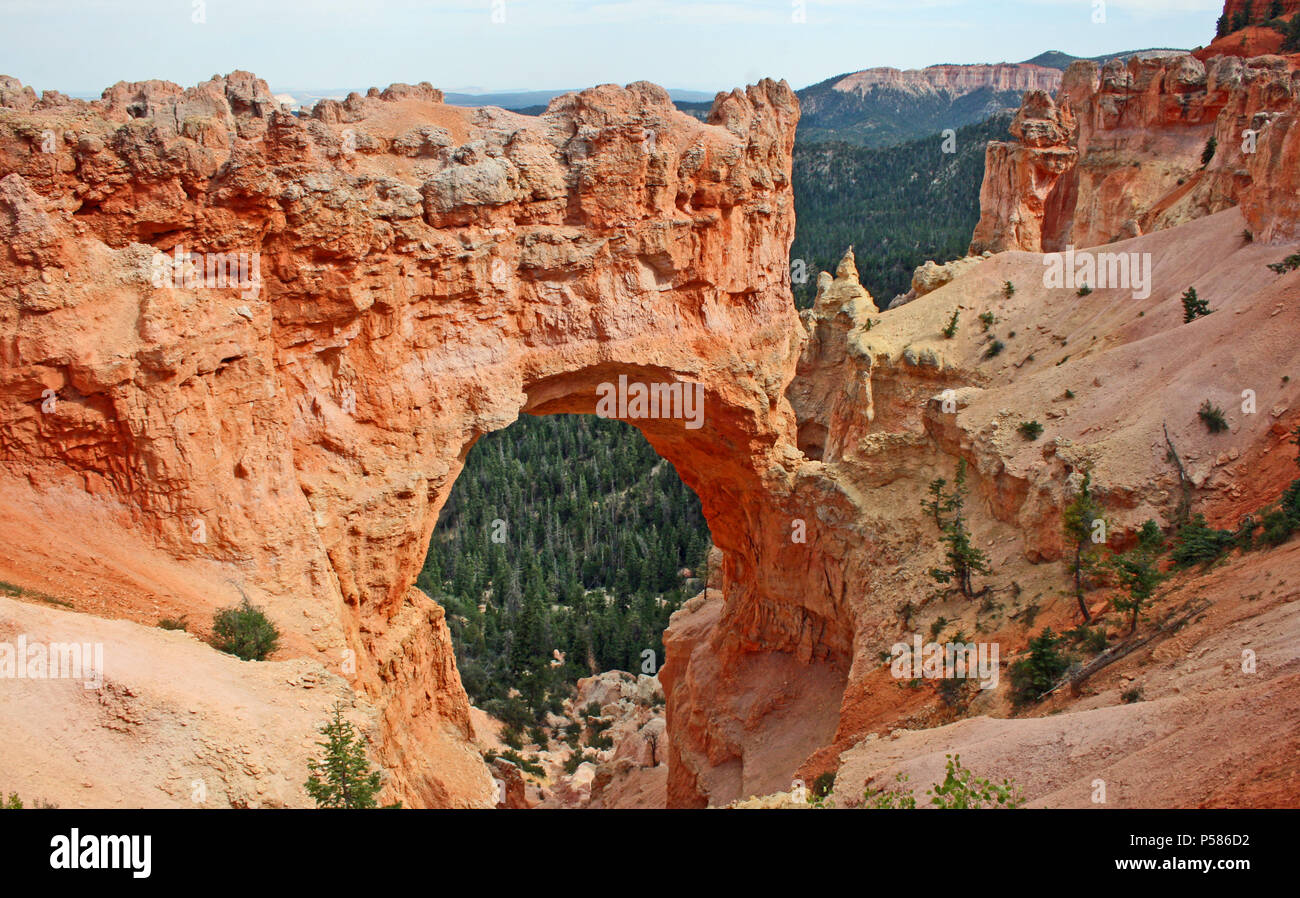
(897, 207)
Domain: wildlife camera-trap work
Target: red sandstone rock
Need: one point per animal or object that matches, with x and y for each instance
(1257, 40)
(1134, 163)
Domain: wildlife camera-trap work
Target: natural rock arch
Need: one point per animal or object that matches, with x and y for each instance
(427, 274)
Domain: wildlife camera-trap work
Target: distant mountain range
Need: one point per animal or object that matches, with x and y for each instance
(1055, 59)
(884, 106)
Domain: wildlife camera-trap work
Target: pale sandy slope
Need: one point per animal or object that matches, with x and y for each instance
(172, 713)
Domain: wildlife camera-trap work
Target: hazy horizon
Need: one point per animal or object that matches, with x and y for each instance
(498, 46)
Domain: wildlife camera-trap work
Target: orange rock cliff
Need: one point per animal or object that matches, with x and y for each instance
(1119, 152)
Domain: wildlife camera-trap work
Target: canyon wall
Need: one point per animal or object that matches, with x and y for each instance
(1118, 152)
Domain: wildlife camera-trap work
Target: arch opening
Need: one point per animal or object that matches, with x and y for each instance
(565, 545)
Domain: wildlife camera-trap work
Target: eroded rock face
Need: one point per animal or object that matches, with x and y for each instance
(1118, 153)
(409, 276)
(1020, 178)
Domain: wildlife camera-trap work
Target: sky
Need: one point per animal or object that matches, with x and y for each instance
(707, 45)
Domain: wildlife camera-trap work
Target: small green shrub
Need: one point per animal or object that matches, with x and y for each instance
(987, 319)
(244, 631)
(1034, 675)
(995, 349)
(512, 736)
(1197, 542)
(572, 762)
(1030, 430)
(1290, 263)
(823, 784)
(1093, 640)
(951, 330)
(1212, 417)
(955, 692)
(960, 790)
(897, 797)
(1211, 147)
(1008, 289)
(523, 763)
(1282, 520)
(14, 803)
(1129, 696)
(1084, 290)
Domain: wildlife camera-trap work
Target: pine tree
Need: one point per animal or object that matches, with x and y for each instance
(1193, 306)
(1139, 573)
(939, 503)
(950, 330)
(342, 778)
(1081, 519)
(964, 559)
(1242, 17)
(1035, 674)
(1197, 541)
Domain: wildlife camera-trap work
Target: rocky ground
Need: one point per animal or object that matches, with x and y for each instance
(1177, 723)
(607, 748)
